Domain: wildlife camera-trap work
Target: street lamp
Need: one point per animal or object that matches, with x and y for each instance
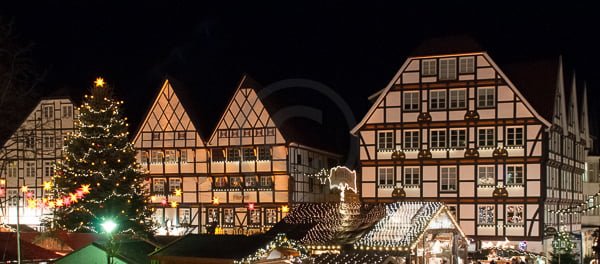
(109, 226)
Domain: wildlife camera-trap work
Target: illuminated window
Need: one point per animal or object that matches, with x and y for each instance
(448, 179)
(254, 217)
(486, 176)
(220, 182)
(458, 98)
(458, 138)
(437, 100)
(271, 216)
(428, 67)
(486, 97)
(236, 182)
(385, 140)
(514, 214)
(170, 156)
(514, 136)
(233, 154)
(144, 156)
(514, 175)
(466, 65)
(156, 156)
(410, 101)
(174, 184)
(13, 193)
(251, 181)
(386, 176)
(212, 215)
(185, 215)
(438, 138)
(448, 69)
(486, 215)
(158, 185)
(228, 216)
(486, 137)
(412, 176)
(411, 139)
(12, 169)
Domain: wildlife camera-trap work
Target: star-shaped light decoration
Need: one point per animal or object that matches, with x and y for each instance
(85, 188)
(73, 197)
(174, 204)
(31, 203)
(285, 209)
(24, 189)
(215, 201)
(177, 192)
(47, 186)
(99, 82)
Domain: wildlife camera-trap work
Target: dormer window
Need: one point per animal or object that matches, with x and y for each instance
(448, 69)
(466, 64)
(428, 67)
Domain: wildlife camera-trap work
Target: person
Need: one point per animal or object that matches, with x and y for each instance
(492, 262)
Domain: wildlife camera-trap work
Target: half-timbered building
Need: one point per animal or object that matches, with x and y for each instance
(27, 160)
(241, 178)
(501, 146)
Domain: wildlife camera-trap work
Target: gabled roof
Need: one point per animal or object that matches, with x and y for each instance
(29, 251)
(212, 246)
(129, 251)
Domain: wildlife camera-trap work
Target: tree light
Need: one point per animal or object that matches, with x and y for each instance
(109, 225)
(99, 82)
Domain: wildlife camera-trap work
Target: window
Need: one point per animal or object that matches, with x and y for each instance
(249, 154)
(258, 132)
(299, 159)
(514, 175)
(67, 111)
(48, 111)
(411, 139)
(170, 156)
(228, 216)
(233, 154)
(271, 131)
(155, 136)
(174, 184)
(486, 97)
(514, 214)
(12, 169)
(185, 215)
(251, 181)
(486, 215)
(458, 98)
(264, 153)
(448, 179)
(183, 155)
(386, 176)
(13, 193)
(411, 101)
(385, 140)
(271, 216)
(144, 156)
(29, 142)
(158, 185)
(236, 182)
(486, 176)
(514, 136)
(181, 135)
(223, 133)
(448, 69)
(486, 137)
(212, 215)
(234, 133)
(247, 132)
(48, 142)
(218, 154)
(266, 181)
(458, 138)
(466, 65)
(437, 100)
(29, 169)
(48, 169)
(428, 67)
(438, 138)
(220, 182)
(254, 217)
(412, 176)
(156, 156)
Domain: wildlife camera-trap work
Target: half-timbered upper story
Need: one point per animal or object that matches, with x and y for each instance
(455, 127)
(27, 158)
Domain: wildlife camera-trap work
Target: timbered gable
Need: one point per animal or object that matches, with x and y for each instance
(246, 121)
(167, 122)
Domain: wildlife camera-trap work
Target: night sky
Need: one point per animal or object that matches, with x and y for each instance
(354, 48)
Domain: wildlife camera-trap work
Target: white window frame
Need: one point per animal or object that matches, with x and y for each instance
(437, 99)
(489, 139)
(183, 156)
(156, 156)
(447, 69)
(12, 193)
(233, 154)
(489, 216)
(486, 97)
(13, 169)
(410, 141)
(437, 138)
(429, 67)
(517, 175)
(385, 176)
(30, 169)
(412, 176)
(170, 156)
(457, 99)
(266, 181)
(447, 177)
(48, 142)
(466, 64)
(411, 101)
(158, 185)
(486, 175)
(270, 216)
(48, 169)
(517, 217)
(67, 111)
(174, 184)
(48, 111)
(228, 216)
(458, 138)
(385, 140)
(512, 136)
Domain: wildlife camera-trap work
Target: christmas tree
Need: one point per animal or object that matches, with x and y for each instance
(99, 179)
